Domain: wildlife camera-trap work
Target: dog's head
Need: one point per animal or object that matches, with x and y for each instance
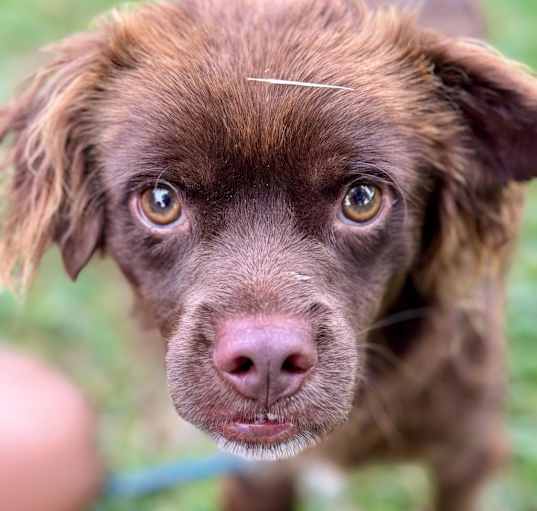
(266, 226)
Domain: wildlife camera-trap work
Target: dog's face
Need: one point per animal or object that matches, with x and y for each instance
(264, 226)
(268, 223)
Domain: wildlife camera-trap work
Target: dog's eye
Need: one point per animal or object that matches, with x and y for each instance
(362, 203)
(161, 205)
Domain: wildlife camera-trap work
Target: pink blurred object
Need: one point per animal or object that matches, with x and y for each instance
(48, 455)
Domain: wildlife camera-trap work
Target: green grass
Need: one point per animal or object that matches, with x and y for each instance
(85, 328)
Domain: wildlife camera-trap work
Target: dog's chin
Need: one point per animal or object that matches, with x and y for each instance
(266, 438)
(286, 447)
(263, 436)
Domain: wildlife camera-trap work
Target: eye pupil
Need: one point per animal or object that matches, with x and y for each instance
(161, 199)
(362, 196)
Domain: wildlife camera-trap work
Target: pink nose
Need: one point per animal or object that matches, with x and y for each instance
(265, 358)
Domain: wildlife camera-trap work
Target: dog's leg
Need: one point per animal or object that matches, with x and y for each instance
(461, 473)
(264, 490)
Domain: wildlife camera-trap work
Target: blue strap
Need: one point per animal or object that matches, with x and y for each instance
(153, 480)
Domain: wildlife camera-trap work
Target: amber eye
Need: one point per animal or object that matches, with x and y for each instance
(362, 203)
(161, 205)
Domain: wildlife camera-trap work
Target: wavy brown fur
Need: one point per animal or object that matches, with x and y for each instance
(50, 134)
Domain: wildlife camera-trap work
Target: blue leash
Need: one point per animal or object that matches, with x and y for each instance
(154, 480)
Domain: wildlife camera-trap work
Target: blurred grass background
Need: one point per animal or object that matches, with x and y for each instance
(85, 329)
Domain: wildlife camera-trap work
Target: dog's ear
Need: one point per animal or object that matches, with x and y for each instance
(497, 100)
(489, 146)
(51, 192)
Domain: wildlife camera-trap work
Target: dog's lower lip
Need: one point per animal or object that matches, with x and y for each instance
(259, 432)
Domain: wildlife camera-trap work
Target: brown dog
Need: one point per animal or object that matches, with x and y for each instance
(315, 203)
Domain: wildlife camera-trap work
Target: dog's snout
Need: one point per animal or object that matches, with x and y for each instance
(265, 358)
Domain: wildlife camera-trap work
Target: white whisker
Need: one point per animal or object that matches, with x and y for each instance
(275, 81)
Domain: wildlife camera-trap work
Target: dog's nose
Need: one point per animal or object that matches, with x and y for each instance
(265, 358)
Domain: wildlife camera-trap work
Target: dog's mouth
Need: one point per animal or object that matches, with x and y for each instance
(265, 437)
(264, 429)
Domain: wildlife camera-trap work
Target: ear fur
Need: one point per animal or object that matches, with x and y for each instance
(478, 202)
(51, 193)
(497, 100)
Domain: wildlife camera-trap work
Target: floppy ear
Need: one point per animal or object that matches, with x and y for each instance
(52, 192)
(489, 147)
(497, 101)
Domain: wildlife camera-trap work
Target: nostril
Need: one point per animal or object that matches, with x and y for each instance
(241, 366)
(296, 364)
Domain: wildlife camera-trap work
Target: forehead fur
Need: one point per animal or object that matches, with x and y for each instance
(183, 69)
